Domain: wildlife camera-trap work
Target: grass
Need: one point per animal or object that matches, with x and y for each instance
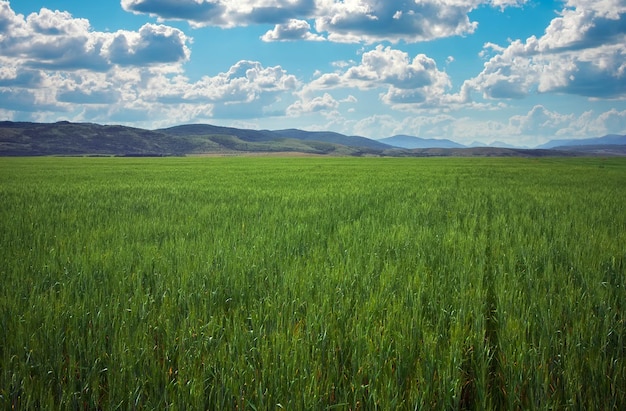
(312, 283)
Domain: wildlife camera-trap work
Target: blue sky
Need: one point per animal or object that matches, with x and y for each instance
(516, 71)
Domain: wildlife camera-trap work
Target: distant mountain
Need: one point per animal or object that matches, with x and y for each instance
(331, 137)
(611, 139)
(404, 141)
(495, 144)
(482, 152)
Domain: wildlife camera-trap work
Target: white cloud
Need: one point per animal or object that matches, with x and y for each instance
(537, 126)
(153, 44)
(292, 30)
(540, 121)
(244, 82)
(612, 122)
(371, 21)
(406, 81)
(55, 40)
(604, 8)
(349, 99)
(376, 126)
(431, 126)
(323, 103)
(541, 124)
(592, 124)
(582, 52)
(54, 63)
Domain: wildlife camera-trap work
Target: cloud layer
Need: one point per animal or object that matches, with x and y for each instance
(56, 40)
(401, 79)
(346, 21)
(53, 62)
(54, 65)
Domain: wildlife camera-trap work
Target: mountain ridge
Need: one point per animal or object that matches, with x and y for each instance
(406, 141)
(609, 139)
(67, 138)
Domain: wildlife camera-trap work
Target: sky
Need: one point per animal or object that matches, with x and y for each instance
(520, 72)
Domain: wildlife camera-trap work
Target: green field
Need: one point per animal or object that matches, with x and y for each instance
(312, 283)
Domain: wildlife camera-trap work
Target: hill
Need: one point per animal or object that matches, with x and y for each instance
(64, 138)
(187, 130)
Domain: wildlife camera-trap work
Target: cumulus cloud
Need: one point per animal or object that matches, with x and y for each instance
(613, 121)
(347, 21)
(292, 30)
(391, 66)
(244, 82)
(153, 44)
(323, 103)
(581, 52)
(56, 40)
(590, 123)
(406, 80)
(540, 121)
(541, 124)
(53, 62)
(535, 127)
(372, 21)
(425, 126)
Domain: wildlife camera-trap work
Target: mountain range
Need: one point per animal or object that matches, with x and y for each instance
(404, 141)
(66, 138)
(611, 139)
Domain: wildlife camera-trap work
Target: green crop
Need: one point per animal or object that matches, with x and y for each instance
(312, 283)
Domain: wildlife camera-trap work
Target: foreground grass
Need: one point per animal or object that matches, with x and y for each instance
(312, 283)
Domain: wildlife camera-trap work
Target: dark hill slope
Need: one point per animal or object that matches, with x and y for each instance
(274, 135)
(65, 138)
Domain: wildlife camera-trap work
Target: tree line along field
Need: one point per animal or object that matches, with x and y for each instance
(312, 283)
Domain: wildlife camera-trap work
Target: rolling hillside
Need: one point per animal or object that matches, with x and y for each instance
(64, 138)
